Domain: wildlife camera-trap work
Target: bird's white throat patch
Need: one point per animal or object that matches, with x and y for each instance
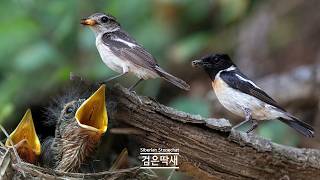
(231, 68)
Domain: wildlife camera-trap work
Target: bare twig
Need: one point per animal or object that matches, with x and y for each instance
(37, 171)
(12, 145)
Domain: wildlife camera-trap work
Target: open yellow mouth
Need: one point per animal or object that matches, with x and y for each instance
(92, 114)
(25, 138)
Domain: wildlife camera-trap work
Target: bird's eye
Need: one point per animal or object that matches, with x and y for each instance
(104, 19)
(69, 110)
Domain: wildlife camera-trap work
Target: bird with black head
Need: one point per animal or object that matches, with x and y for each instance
(240, 95)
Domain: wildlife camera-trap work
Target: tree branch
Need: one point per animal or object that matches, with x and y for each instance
(208, 148)
(208, 144)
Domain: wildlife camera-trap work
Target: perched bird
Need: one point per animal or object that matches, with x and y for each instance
(24, 138)
(241, 96)
(121, 53)
(79, 127)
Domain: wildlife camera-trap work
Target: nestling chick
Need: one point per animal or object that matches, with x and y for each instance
(79, 127)
(25, 139)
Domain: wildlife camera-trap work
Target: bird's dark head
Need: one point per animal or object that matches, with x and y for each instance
(100, 22)
(214, 63)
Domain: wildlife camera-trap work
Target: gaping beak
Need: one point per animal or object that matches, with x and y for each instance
(25, 139)
(92, 114)
(88, 22)
(197, 63)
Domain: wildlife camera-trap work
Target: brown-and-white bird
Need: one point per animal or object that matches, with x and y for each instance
(241, 96)
(121, 53)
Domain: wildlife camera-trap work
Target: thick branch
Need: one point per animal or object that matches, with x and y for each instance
(208, 143)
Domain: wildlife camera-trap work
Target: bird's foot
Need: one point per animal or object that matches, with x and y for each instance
(234, 130)
(131, 89)
(253, 126)
(135, 93)
(236, 135)
(140, 100)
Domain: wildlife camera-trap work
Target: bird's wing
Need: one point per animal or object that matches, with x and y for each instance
(235, 79)
(126, 48)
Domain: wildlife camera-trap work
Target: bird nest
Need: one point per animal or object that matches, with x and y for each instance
(12, 167)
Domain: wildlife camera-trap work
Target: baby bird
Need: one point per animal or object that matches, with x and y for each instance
(25, 139)
(79, 127)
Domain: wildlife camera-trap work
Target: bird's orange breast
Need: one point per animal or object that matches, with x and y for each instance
(218, 85)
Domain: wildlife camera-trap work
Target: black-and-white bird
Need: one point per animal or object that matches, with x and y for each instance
(241, 96)
(121, 53)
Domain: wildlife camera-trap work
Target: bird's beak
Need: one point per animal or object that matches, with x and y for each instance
(88, 22)
(92, 114)
(25, 139)
(197, 63)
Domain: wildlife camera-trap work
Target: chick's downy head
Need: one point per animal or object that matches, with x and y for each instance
(79, 127)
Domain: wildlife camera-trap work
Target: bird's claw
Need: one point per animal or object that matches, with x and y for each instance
(253, 127)
(135, 93)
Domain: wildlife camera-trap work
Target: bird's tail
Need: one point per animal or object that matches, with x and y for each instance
(172, 79)
(300, 126)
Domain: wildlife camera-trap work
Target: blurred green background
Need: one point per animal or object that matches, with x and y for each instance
(42, 41)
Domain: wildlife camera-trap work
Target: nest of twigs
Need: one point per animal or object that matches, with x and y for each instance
(12, 167)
